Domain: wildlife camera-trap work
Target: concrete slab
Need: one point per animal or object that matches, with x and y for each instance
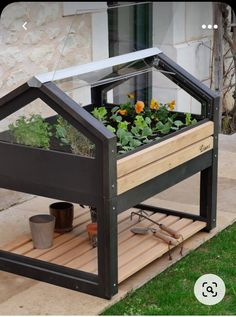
(227, 142)
(10, 197)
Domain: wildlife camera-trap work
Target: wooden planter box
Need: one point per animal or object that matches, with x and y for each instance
(111, 183)
(155, 160)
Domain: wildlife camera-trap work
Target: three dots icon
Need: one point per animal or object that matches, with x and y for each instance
(210, 26)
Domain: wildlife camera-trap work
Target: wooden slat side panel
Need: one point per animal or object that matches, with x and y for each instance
(163, 165)
(126, 165)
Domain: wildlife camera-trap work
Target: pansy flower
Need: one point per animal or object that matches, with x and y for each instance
(122, 112)
(171, 105)
(139, 106)
(154, 104)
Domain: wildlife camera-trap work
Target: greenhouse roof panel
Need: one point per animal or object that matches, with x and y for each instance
(79, 70)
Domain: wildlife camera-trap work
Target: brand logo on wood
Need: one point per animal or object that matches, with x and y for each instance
(204, 147)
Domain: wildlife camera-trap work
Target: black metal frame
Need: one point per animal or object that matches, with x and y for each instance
(52, 174)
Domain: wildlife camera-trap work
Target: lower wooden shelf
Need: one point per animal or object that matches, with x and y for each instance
(74, 250)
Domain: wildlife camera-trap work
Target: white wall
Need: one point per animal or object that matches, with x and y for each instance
(177, 31)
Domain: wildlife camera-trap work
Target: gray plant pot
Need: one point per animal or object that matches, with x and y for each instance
(42, 230)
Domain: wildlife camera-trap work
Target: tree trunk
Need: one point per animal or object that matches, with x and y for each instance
(218, 53)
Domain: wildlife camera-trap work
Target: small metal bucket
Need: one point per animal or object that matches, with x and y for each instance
(42, 229)
(64, 213)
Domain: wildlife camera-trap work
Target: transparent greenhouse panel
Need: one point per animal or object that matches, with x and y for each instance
(92, 34)
(37, 125)
(156, 86)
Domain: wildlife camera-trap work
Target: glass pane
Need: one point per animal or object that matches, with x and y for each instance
(46, 129)
(127, 15)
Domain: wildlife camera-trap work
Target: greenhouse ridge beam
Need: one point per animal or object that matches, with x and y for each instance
(78, 70)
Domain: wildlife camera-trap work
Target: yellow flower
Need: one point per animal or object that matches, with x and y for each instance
(171, 105)
(122, 112)
(139, 106)
(130, 96)
(154, 104)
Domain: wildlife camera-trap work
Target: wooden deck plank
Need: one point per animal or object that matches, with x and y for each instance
(91, 254)
(136, 240)
(157, 251)
(74, 250)
(131, 246)
(67, 252)
(142, 243)
(141, 158)
(145, 223)
(17, 243)
(72, 254)
(163, 165)
(63, 248)
(58, 238)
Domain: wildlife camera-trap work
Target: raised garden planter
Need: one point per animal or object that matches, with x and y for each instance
(109, 182)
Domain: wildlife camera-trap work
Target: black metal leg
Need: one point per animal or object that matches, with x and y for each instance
(107, 248)
(208, 192)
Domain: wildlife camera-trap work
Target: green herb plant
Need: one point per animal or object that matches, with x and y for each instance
(32, 131)
(69, 135)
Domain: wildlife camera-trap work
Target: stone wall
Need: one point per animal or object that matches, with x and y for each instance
(50, 42)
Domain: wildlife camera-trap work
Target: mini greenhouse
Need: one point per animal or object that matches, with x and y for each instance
(103, 176)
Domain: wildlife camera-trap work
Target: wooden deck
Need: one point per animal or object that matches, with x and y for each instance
(134, 251)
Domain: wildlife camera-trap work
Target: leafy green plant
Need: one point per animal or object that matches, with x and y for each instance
(126, 140)
(100, 114)
(177, 124)
(163, 128)
(134, 124)
(142, 127)
(162, 114)
(32, 131)
(189, 120)
(69, 135)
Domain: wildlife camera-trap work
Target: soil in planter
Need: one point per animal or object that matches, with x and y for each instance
(139, 142)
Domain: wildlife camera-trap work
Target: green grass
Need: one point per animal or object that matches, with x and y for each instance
(171, 292)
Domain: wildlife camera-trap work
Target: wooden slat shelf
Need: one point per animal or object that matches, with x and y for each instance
(134, 251)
